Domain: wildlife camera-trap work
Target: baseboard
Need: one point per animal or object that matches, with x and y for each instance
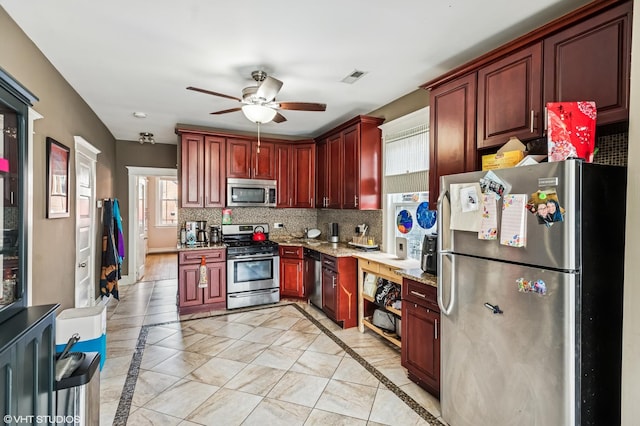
(162, 250)
(126, 280)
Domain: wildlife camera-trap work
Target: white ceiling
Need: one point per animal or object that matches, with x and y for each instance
(139, 55)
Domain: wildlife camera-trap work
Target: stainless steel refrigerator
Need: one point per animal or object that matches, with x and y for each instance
(535, 356)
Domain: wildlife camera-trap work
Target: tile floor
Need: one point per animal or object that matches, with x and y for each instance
(284, 364)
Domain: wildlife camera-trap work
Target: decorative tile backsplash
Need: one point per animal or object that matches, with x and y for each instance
(294, 220)
(612, 149)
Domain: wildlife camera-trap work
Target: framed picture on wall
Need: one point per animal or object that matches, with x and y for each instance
(57, 179)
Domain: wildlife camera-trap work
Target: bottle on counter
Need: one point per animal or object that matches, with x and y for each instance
(183, 235)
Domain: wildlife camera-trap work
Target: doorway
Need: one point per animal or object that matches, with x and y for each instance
(86, 292)
(138, 177)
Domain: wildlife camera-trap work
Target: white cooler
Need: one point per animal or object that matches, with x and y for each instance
(90, 323)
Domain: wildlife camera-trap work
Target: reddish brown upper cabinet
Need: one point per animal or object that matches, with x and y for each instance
(420, 353)
(202, 172)
(349, 165)
(510, 98)
(295, 174)
(291, 271)
(453, 131)
(244, 160)
(590, 61)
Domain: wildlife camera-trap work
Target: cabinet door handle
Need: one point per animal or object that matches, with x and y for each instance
(311, 201)
(415, 293)
(355, 200)
(435, 329)
(333, 280)
(533, 117)
(11, 197)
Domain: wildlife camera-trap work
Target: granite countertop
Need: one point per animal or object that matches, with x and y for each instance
(324, 247)
(208, 246)
(417, 274)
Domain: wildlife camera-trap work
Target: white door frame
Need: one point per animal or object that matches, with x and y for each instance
(133, 172)
(33, 116)
(85, 148)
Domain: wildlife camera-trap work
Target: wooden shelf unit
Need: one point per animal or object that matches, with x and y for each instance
(364, 301)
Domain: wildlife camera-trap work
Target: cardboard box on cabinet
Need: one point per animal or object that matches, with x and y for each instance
(510, 154)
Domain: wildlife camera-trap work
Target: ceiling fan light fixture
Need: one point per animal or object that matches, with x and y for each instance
(258, 113)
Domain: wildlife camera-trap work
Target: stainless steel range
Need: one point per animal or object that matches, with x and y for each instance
(253, 267)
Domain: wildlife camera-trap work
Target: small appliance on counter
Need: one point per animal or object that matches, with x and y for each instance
(429, 258)
(192, 230)
(333, 234)
(214, 234)
(201, 234)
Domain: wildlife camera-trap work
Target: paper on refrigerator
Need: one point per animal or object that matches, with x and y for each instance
(513, 228)
(489, 222)
(466, 213)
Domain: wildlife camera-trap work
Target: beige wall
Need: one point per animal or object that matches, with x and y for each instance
(408, 103)
(65, 115)
(130, 153)
(161, 238)
(631, 318)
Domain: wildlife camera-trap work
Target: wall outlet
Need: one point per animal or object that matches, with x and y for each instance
(278, 225)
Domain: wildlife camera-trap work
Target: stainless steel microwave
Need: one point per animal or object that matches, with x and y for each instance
(251, 192)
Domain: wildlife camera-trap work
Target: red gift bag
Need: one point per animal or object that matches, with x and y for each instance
(571, 130)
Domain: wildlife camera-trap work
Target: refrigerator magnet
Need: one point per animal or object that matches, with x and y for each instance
(537, 286)
(546, 207)
(490, 182)
(469, 199)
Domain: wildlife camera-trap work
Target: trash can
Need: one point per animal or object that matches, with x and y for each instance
(78, 395)
(90, 323)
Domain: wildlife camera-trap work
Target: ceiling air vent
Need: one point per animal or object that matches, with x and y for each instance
(353, 77)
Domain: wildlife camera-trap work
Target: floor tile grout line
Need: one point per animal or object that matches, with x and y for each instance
(124, 406)
(406, 398)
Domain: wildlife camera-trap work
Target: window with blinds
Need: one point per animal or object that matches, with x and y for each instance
(406, 155)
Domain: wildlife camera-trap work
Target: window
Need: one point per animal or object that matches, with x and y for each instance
(167, 202)
(406, 210)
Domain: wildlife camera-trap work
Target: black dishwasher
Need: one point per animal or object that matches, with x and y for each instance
(313, 277)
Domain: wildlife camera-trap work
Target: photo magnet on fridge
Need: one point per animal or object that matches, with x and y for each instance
(546, 206)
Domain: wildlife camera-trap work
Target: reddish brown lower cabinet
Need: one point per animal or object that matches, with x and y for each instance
(340, 290)
(421, 335)
(191, 297)
(291, 271)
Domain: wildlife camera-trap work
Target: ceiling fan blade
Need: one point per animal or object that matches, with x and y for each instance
(269, 88)
(303, 106)
(279, 118)
(209, 92)
(224, 111)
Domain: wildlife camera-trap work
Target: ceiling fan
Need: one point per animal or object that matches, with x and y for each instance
(259, 104)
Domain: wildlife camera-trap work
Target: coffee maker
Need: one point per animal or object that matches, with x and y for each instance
(429, 258)
(201, 234)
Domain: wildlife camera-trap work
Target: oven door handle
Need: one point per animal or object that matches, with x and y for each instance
(253, 293)
(252, 256)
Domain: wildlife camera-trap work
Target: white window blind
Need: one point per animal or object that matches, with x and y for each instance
(407, 160)
(407, 151)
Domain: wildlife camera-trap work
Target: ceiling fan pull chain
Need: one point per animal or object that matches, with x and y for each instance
(258, 149)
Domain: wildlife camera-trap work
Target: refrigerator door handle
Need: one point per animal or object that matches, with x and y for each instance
(444, 195)
(452, 284)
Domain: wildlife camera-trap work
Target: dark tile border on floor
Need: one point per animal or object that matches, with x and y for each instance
(124, 406)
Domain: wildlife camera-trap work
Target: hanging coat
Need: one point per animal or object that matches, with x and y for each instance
(110, 272)
(119, 233)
